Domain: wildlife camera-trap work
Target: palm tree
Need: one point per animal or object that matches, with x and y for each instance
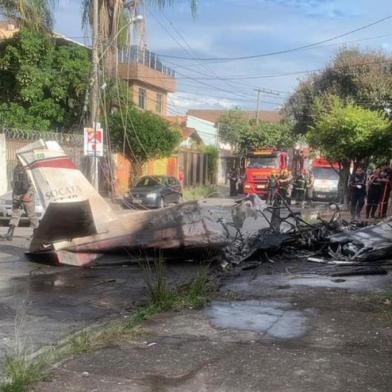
(34, 14)
(114, 18)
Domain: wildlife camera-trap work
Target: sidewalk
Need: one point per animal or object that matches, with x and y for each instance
(283, 335)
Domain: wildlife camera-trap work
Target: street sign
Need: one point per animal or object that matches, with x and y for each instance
(93, 142)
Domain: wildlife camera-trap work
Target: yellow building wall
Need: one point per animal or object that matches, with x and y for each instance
(123, 170)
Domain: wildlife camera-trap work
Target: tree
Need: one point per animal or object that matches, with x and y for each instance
(276, 135)
(212, 154)
(114, 24)
(235, 128)
(362, 78)
(34, 14)
(142, 135)
(43, 82)
(230, 125)
(346, 133)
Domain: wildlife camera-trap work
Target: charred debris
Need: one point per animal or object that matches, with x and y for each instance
(283, 232)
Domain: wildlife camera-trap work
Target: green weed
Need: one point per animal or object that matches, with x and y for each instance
(21, 373)
(81, 344)
(200, 192)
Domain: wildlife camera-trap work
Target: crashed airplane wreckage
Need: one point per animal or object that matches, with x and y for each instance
(79, 225)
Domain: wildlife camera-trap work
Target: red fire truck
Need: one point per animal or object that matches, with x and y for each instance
(259, 166)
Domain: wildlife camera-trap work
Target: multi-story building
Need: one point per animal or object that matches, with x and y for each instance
(148, 79)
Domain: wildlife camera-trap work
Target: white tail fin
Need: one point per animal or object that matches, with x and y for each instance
(58, 181)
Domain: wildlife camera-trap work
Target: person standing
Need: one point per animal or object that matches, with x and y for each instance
(309, 183)
(272, 185)
(241, 182)
(385, 179)
(299, 189)
(357, 186)
(233, 178)
(285, 185)
(374, 193)
(181, 176)
(23, 197)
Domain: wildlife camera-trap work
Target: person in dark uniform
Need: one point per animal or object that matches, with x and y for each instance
(385, 179)
(272, 185)
(299, 190)
(233, 178)
(23, 197)
(285, 185)
(357, 186)
(241, 182)
(309, 184)
(374, 193)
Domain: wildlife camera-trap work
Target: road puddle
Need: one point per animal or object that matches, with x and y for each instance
(270, 318)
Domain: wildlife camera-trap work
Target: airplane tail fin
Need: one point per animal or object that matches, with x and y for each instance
(73, 208)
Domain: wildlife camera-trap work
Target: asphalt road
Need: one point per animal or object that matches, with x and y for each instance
(41, 304)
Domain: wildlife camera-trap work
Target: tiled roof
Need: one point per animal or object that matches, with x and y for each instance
(185, 131)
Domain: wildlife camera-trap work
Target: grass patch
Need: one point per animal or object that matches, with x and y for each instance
(385, 302)
(21, 373)
(81, 344)
(162, 297)
(382, 302)
(200, 192)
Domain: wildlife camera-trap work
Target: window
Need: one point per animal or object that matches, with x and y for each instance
(150, 181)
(173, 181)
(142, 97)
(158, 107)
(263, 162)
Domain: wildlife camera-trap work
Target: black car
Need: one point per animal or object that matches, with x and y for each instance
(154, 192)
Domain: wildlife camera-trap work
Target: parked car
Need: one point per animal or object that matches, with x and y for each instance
(154, 192)
(6, 208)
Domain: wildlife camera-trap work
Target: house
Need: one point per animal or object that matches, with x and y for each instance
(190, 137)
(206, 123)
(149, 81)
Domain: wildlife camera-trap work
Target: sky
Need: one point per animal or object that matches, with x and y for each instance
(235, 28)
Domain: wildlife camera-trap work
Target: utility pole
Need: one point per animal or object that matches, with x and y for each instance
(95, 92)
(258, 105)
(259, 91)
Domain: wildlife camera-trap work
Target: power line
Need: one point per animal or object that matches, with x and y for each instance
(268, 54)
(189, 50)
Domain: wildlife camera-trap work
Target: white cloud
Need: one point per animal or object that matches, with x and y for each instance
(182, 102)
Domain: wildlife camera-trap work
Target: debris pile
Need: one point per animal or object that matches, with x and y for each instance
(329, 241)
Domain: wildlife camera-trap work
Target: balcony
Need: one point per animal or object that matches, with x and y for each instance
(144, 66)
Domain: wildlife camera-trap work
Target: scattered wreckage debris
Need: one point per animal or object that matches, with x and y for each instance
(79, 225)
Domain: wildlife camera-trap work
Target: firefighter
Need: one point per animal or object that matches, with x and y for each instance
(309, 183)
(285, 185)
(272, 185)
(374, 193)
(233, 178)
(241, 182)
(23, 197)
(385, 179)
(299, 189)
(357, 185)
